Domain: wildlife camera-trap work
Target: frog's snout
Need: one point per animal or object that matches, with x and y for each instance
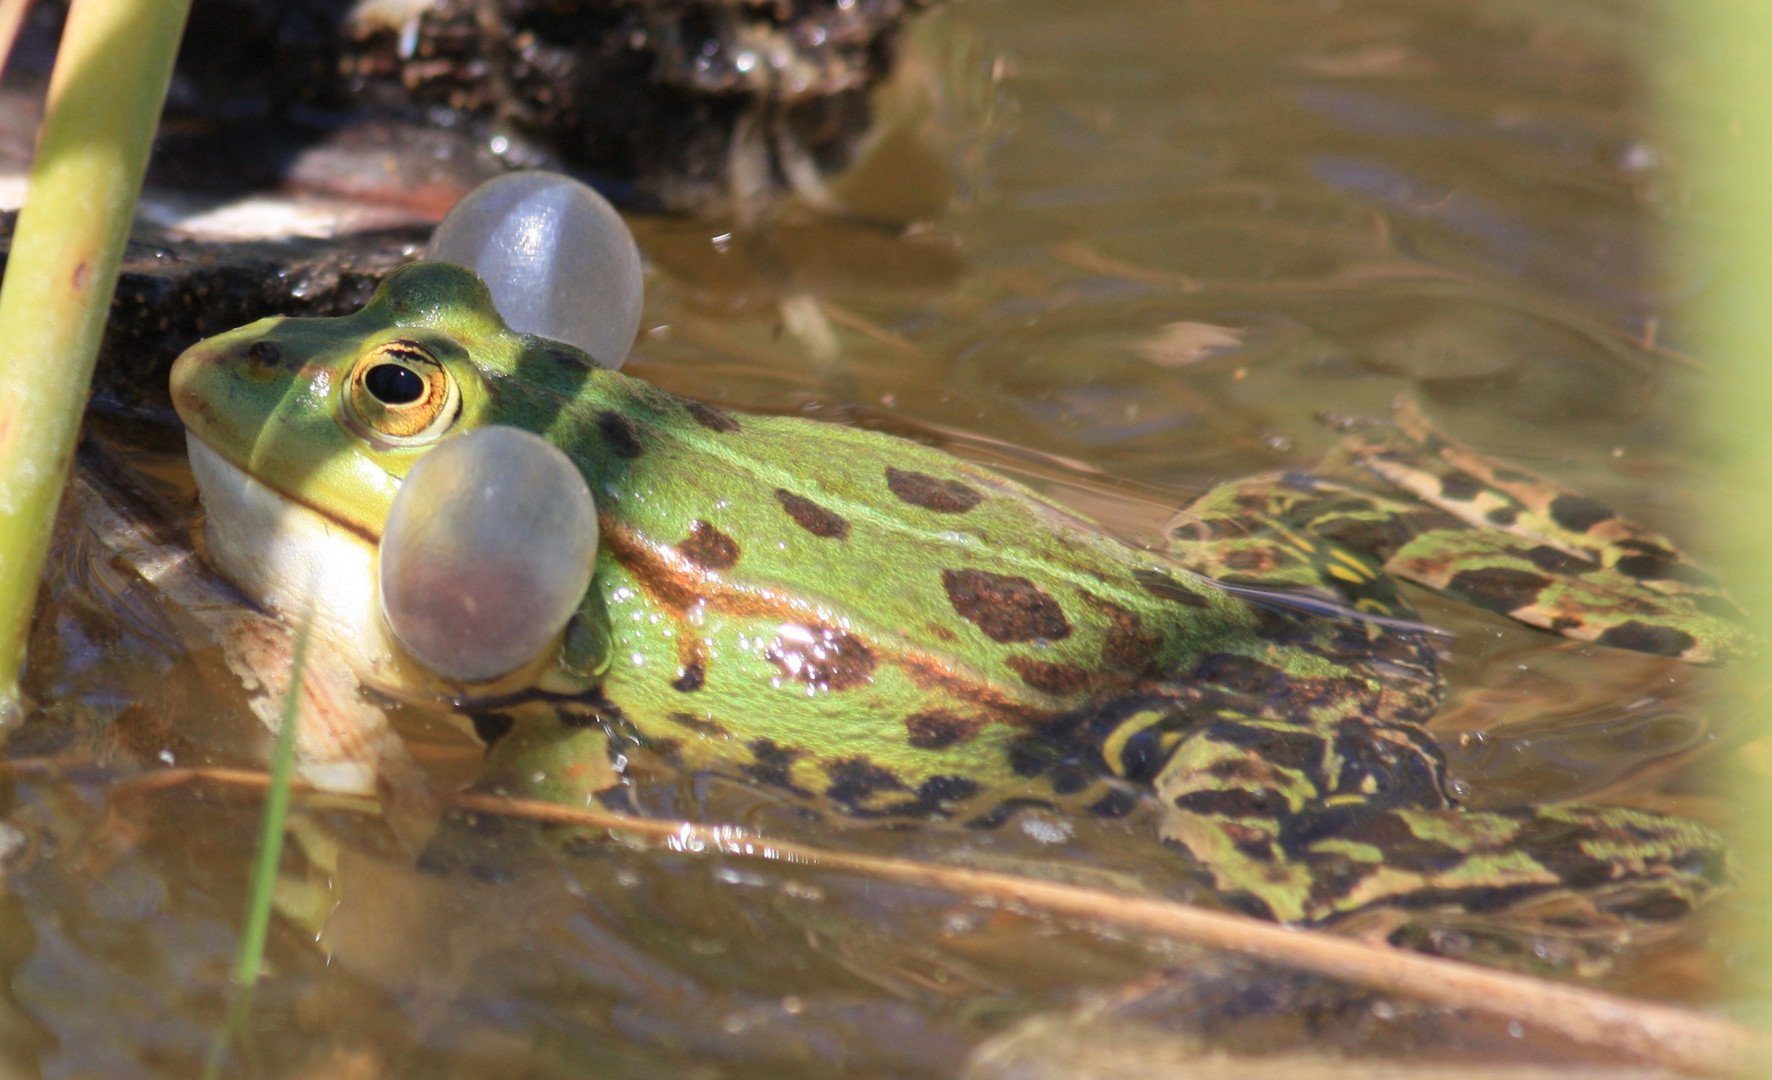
(189, 373)
(240, 372)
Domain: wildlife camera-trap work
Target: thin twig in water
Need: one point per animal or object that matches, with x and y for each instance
(1666, 1035)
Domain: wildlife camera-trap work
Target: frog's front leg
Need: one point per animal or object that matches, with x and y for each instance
(588, 648)
(558, 751)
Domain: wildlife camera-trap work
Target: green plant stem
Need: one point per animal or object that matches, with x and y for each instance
(249, 956)
(270, 840)
(1718, 86)
(104, 104)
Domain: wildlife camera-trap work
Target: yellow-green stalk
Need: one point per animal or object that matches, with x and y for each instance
(104, 103)
(1719, 89)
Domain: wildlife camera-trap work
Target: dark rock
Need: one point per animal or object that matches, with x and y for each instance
(675, 104)
(171, 294)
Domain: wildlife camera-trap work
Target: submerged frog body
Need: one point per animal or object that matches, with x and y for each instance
(876, 626)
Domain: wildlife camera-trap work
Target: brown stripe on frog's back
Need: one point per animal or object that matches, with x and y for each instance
(932, 674)
(678, 584)
(679, 580)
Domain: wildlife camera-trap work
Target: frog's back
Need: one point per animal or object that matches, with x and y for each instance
(855, 601)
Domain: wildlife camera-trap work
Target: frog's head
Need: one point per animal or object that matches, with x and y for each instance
(301, 431)
(330, 413)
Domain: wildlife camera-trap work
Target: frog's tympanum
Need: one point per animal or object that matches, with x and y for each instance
(877, 627)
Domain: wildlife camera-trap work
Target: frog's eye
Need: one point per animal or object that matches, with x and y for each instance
(400, 393)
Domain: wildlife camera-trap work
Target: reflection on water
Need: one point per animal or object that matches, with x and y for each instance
(1175, 234)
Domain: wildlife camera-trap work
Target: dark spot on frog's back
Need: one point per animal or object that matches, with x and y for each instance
(1162, 585)
(772, 764)
(711, 418)
(691, 678)
(1578, 513)
(822, 657)
(1059, 680)
(1499, 588)
(939, 729)
(619, 434)
(709, 548)
(700, 725)
(1646, 638)
(854, 780)
(812, 517)
(1460, 486)
(1557, 561)
(1647, 562)
(931, 493)
(1006, 608)
(1244, 673)
(947, 789)
(1127, 647)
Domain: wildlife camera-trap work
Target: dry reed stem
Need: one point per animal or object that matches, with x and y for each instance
(1666, 1035)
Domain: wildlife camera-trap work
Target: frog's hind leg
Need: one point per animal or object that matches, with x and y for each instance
(1518, 544)
(1482, 533)
(1261, 533)
(1311, 823)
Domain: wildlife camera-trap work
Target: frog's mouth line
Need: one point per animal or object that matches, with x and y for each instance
(238, 484)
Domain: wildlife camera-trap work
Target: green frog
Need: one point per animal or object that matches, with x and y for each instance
(879, 628)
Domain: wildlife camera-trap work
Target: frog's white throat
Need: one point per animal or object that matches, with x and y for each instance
(292, 559)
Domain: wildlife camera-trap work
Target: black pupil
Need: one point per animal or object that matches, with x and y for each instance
(394, 385)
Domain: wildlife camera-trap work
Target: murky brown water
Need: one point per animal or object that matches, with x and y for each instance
(1174, 233)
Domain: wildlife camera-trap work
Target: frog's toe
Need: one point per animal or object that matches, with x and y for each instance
(1578, 597)
(1519, 544)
